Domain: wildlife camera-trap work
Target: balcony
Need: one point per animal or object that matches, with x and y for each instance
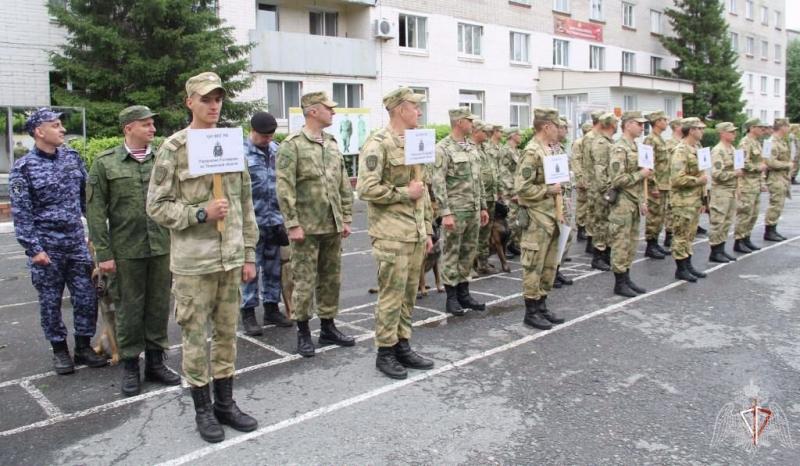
(298, 53)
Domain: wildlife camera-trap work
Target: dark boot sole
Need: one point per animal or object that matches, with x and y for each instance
(631, 294)
(691, 279)
(393, 376)
(95, 365)
(538, 326)
(278, 324)
(130, 394)
(236, 427)
(254, 333)
(159, 380)
(326, 342)
(65, 371)
(306, 354)
(212, 439)
(422, 367)
(655, 256)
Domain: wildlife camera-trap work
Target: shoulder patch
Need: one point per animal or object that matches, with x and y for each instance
(527, 172)
(17, 187)
(718, 165)
(615, 167)
(290, 137)
(372, 162)
(160, 174)
(106, 152)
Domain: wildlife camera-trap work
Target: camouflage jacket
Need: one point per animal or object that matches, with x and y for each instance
(457, 184)
(599, 158)
(383, 179)
(489, 172)
(752, 163)
(662, 161)
(117, 193)
(722, 173)
(671, 144)
(175, 196)
(781, 161)
(529, 181)
(48, 198)
(576, 163)
(624, 171)
(585, 158)
(687, 191)
(506, 168)
(314, 190)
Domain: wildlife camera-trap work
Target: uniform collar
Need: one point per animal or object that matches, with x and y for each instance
(44, 154)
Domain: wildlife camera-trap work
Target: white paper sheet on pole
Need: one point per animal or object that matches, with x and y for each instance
(646, 156)
(215, 150)
(793, 149)
(738, 159)
(766, 149)
(556, 169)
(420, 145)
(563, 235)
(704, 158)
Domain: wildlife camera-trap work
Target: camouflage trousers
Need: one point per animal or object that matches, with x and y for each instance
(778, 189)
(539, 258)
(399, 265)
(142, 287)
(746, 211)
(722, 208)
(599, 220)
(795, 167)
(566, 209)
(684, 229)
(582, 209)
(460, 247)
(623, 233)
(516, 231)
(200, 300)
(317, 266)
(483, 236)
(658, 215)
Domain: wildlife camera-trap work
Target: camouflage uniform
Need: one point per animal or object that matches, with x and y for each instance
(794, 150)
(749, 187)
(488, 152)
(657, 207)
(506, 168)
(687, 198)
(314, 192)
(624, 217)
(778, 179)
(581, 198)
(598, 160)
(566, 202)
(723, 193)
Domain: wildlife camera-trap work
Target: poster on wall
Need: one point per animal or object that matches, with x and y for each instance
(350, 127)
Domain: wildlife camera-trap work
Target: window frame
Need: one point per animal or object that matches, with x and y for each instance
(764, 85)
(325, 14)
(660, 23)
(632, 56)
(601, 57)
(348, 91)
(563, 45)
(557, 8)
(653, 60)
(284, 105)
(776, 82)
(479, 100)
(596, 5)
(461, 33)
(526, 44)
(404, 18)
(632, 8)
(515, 107)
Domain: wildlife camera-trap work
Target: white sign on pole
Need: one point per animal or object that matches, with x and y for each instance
(738, 159)
(563, 235)
(646, 156)
(704, 158)
(215, 150)
(420, 146)
(556, 169)
(793, 149)
(766, 149)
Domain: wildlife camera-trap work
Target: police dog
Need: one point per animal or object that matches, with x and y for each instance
(106, 344)
(500, 235)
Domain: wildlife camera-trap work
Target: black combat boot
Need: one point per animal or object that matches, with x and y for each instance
(207, 425)
(251, 327)
(775, 229)
(739, 246)
(305, 347)
(717, 254)
(409, 358)
(387, 363)
(156, 371)
(547, 314)
(581, 233)
(273, 315)
(701, 231)
(727, 256)
(131, 384)
(653, 251)
(682, 273)
(84, 354)
(563, 279)
(621, 286)
(692, 270)
(225, 409)
(636, 288)
(589, 247)
(532, 316)
(62, 361)
(330, 335)
(599, 261)
(771, 234)
(512, 250)
(750, 244)
(466, 300)
(667, 242)
(452, 306)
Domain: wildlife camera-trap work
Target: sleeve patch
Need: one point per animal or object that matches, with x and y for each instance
(372, 162)
(527, 172)
(615, 167)
(17, 187)
(160, 174)
(718, 165)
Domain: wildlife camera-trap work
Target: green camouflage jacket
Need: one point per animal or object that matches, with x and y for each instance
(662, 161)
(457, 185)
(722, 173)
(687, 191)
(624, 170)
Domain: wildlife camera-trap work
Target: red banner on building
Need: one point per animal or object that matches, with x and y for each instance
(579, 29)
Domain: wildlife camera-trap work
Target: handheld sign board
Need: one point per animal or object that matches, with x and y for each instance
(556, 169)
(704, 158)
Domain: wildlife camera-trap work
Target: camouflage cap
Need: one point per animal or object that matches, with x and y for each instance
(478, 125)
(313, 98)
(595, 115)
(204, 83)
(586, 127)
(726, 127)
(546, 115)
(794, 126)
(675, 122)
(135, 113)
(400, 95)
(512, 131)
(461, 113)
(692, 122)
(655, 116)
(780, 122)
(487, 128)
(607, 119)
(497, 128)
(633, 115)
(563, 121)
(39, 116)
(751, 122)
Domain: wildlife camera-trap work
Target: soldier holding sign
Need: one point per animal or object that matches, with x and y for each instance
(399, 214)
(658, 192)
(750, 186)
(599, 160)
(779, 165)
(724, 180)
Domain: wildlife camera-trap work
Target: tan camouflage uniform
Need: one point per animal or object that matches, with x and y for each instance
(749, 187)
(506, 168)
(657, 210)
(491, 187)
(778, 179)
(624, 216)
(723, 193)
(687, 199)
(599, 156)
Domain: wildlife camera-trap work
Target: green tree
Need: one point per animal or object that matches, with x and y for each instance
(793, 80)
(125, 52)
(703, 46)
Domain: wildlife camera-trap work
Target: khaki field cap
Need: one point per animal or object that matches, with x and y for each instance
(512, 131)
(487, 128)
(135, 113)
(546, 115)
(497, 128)
(692, 122)
(675, 122)
(633, 115)
(655, 116)
(461, 113)
(400, 95)
(781, 122)
(563, 121)
(586, 127)
(596, 115)
(751, 123)
(607, 119)
(313, 98)
(478, 125)
(726, 127)
(203, 84)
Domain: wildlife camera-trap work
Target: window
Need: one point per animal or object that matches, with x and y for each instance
(281, 95)
(347, 95)
(423, 106)
(520, 111)
(629, 62)
(596, 11)
(669, 107)
(777, 84)
(519, 43)
(764, 50)
(765, 15)
(597, 58)
(323, 23)
(655, 65)
(732, 6)
(560, 52)
(764, 85)
(735, 41)
(267, 17)
(777, 19)
(413, 32)
(655, 22)
(763, 115)
(627, 15)
(778, 53)
(777, 115)
(561, 5)
(749, 82)
(472, 100)
(749, 46)
(469, 39)
(630, 103)
(748, 9)
(749, 112)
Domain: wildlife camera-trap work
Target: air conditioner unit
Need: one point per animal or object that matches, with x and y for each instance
(385, 29)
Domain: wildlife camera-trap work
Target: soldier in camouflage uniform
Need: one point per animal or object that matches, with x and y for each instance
(587, 168)
(626, 212)
(581, 185)
(794, 141)
(724, 181)
(658, 195)
(487, 153)
(672, 143)
(506, 168)
(688, 188)
(132, 247)
(599, 156)
(316, 200)
(566, 203)
(47, 191)
(458, 190)
(207, 265)
(778, 184)
(399, 216)
(540, 232)
(750, 186)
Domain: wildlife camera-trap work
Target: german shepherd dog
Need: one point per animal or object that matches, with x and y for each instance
(106, 344)
(500, 235)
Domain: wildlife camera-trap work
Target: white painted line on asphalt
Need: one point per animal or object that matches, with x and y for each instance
(261, 344)
(48, 407)
(491, 295)
(307, 416)
(359, 252)
(508, 277)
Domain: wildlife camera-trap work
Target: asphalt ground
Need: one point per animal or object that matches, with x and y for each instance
(624, 381)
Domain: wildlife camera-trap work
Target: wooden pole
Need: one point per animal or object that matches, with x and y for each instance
(218, 194)
(646, 192)
(560, 208)
(418, 177)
